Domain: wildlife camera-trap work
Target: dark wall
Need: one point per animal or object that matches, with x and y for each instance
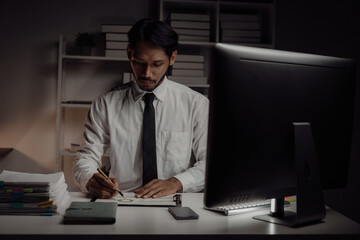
(327, 27)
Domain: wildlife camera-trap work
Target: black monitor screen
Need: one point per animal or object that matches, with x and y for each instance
(255, 97)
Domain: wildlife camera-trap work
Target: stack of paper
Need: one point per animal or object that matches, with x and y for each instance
(191, 26)
(188, 70)
(33, 194)
(116, 40)
(240, 28)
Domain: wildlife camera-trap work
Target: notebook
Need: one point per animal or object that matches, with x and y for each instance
(91, 213)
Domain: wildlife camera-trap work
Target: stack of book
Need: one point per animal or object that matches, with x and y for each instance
(116, 40)
(240, 28)
(189, 69)
(191, 27)
(33, 194)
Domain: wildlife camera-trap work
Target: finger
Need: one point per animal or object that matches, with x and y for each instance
(153, 193)
(144, 189)
(152, 182)
(103, 181)
(99, 190)
(163, 193)
(166, 188)
(95, 191)
(115, 182)
(138, 191)
(153, 189)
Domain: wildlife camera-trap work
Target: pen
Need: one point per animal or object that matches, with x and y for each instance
(102, 173)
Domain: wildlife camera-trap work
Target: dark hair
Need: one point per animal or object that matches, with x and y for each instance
(156, 32)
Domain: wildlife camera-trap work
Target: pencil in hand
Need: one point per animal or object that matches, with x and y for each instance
(107, 178)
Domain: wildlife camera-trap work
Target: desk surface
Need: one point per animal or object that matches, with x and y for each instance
(158, 221)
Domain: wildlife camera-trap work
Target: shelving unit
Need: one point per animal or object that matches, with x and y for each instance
(262, 10)
(62, 105)
(265, 9)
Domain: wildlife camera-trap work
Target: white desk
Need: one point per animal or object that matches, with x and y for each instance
(159, 223)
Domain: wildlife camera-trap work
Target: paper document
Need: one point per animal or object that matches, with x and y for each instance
(18, 190)
(131, 200)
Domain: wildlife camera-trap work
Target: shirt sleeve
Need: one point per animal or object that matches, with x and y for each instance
(193, 179)
(96, 141)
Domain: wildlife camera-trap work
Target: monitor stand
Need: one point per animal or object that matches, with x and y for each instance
(310, 206)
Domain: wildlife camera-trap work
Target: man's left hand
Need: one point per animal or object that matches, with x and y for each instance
(158, 188)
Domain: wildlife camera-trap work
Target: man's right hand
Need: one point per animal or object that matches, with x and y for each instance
(100, 187)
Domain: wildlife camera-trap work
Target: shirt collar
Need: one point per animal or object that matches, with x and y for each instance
(159, 91)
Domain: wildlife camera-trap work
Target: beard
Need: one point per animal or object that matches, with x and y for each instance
(151, 87)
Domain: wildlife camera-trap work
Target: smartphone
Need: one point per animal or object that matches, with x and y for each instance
(183, 213)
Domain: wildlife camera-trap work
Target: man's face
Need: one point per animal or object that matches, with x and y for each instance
(149, 64)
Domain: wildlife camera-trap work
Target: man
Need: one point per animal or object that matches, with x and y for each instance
(155, 162)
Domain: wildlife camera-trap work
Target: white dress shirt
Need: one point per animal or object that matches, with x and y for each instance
(115, 120)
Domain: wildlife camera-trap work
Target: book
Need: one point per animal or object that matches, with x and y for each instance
(190, 17)
(189, 79)
(91, 213)
(116, 37)
(194, 38)
(116, 45)
(188, 65)
(240, 25)
(192, 32)
(115, 28)
(74, 147)
(77, 102)
(239, 17)
(116, 53)
(187, 72)
(42, 208)
(240, 33)
(190, 25)
(189, 58)
(25, 187)
(241, 39)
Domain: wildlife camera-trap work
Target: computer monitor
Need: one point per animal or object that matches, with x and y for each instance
(271, 110)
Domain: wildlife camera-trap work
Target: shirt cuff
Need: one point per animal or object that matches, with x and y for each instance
(84, 180)
(188, 182)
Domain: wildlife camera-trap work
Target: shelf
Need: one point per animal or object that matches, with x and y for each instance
(198, 85)
(258, 4)
(94, 58)
(66, 152)
(209, 44)
(264, 9)
(70, 105)
(192, 2)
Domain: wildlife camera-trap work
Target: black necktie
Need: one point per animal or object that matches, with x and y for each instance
(149, 140)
